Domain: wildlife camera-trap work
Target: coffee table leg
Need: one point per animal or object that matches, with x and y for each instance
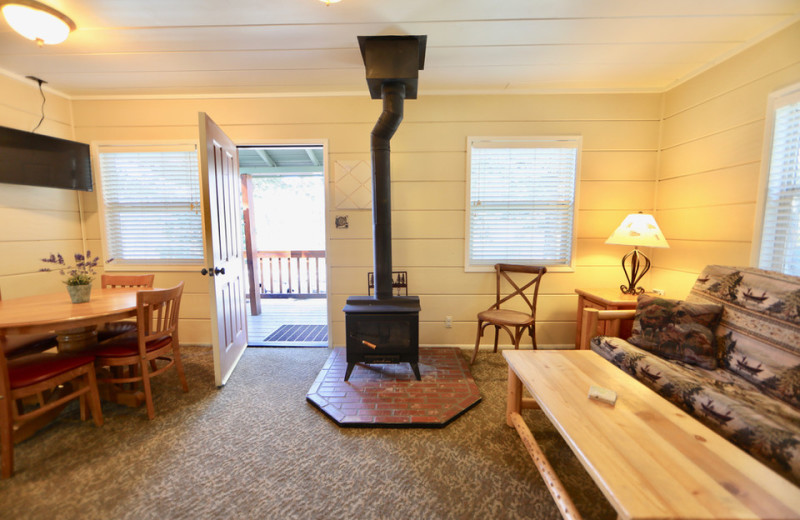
(563, 501)
(514, 400)
(514, 405)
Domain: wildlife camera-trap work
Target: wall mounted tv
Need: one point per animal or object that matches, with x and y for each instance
(40, 160)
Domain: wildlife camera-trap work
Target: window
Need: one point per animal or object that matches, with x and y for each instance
(521, 200)
(151, 204)
(780, 195)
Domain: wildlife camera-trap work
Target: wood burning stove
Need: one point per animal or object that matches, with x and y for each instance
(385, 328)
(382, 331)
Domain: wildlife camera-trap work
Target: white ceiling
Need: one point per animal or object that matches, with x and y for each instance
(193, 47)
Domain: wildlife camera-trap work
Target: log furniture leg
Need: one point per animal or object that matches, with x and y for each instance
(514, 405)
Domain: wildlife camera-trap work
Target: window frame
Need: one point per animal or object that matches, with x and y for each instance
(577, 141)
(777, 99)
(176, 145)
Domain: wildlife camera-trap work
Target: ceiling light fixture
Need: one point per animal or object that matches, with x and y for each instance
(37, 21)
(329, 2)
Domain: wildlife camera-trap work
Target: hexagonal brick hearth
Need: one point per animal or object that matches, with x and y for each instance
(387, 395)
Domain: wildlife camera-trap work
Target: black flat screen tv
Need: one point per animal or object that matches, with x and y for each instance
(40, 160)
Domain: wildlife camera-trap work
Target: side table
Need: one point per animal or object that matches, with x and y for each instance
(604, 300)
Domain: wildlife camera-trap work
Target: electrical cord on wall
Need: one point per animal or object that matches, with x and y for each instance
(44, 100)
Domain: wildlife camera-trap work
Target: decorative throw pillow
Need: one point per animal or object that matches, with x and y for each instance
(675, 329)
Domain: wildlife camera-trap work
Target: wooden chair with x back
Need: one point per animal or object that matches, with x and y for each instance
(154, 349)
(507, 318)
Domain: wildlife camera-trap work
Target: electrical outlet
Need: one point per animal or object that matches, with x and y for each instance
(448, 321)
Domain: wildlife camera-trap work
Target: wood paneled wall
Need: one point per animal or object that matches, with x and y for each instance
(692, 155)
(35, 221)
(620, 134)
(710, 161)
(39, 221)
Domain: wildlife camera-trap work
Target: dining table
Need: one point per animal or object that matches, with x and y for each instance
(75, 324)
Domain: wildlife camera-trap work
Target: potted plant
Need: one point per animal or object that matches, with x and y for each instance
(79, 275)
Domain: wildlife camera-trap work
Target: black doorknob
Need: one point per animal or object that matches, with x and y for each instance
(217, 270)
(204, 271)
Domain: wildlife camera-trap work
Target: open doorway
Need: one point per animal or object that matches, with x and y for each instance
(284, 222)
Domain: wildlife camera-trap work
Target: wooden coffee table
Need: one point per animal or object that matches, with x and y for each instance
(650, 459)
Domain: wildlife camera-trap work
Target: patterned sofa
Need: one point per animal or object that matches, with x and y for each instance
(737, 371)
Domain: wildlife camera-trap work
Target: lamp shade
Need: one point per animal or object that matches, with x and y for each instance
(38, 22)
(638, 229)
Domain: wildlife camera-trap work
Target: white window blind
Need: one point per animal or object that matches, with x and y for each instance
(521, 201)
(151, 204)
(780, 235)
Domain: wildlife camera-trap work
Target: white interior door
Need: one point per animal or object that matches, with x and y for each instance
(219, 172)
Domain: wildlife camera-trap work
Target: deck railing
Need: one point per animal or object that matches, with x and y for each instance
(296, 274)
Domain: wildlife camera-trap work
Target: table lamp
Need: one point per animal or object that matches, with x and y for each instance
(638, 229)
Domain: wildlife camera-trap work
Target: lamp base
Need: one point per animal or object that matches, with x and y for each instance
(639, 265)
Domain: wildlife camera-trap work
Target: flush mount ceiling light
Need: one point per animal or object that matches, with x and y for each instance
(38, 22)
(329, 2)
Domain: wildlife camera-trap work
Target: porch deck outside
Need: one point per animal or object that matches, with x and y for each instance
(285, 311)
(287, 187)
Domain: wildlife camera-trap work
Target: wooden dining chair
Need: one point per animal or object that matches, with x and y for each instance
(116, 328)
(54, 379)
(126, 280)
(16, 345)
(507, 318)
(154, 349)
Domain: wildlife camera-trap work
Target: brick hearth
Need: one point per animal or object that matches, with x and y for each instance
(389, 396)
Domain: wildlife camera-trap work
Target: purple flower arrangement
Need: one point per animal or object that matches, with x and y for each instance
(82, 272)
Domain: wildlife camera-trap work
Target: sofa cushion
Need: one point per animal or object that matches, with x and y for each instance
(759, 333)
(765, 427)
(675, 329)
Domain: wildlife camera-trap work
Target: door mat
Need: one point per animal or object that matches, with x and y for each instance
(299, 333)
(388, 395)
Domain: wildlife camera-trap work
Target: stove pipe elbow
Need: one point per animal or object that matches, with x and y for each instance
(393, 95)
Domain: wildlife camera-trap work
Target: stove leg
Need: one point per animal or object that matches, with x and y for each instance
(415, 368)
(349, 371)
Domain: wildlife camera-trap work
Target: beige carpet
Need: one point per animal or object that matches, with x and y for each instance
(257, 449)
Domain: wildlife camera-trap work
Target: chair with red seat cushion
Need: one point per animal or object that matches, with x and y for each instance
(153, 350)
(117, 328)
(15, 345)
(506, 318)
(55, 379)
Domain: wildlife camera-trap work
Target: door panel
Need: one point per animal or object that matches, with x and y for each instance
(223, 246)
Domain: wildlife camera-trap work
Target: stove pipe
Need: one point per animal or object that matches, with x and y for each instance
(392, 64)
(393, 95)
